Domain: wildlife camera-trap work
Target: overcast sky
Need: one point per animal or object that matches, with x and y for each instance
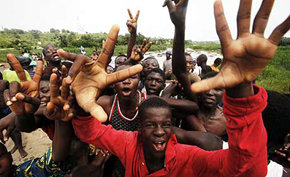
(99, 15)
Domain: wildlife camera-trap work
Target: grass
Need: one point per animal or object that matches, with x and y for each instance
(276, 76)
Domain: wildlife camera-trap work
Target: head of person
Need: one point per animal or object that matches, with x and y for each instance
(154, 81)
(210, 99)
(24, 62)
(94, 52)
(149, 63)
(5, 161)
(168, 54)
(120, 59)
(201, 59)
(217, 62)
(44, 90)
(109, 69)
(189, 63)
(50, 53)
(128, 87)
(155, 127)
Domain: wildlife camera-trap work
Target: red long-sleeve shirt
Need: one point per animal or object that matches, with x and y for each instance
(246, 156)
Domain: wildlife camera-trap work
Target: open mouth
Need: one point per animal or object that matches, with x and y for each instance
(159, 146)
(126, 91)
(56, 57)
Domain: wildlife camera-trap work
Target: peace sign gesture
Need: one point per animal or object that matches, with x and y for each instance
(89, 78)
(139, 51)
(249, 54)
(29, 88)
(132, 23)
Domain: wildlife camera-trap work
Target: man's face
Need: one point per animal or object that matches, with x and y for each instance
(156, 130)
(44, 92)
(154, 83)
(150, 64)
(198, 62)
(5, 162)
(120, 60)
(51, 54)
(128, 87)
(211, 98)
(189, 63)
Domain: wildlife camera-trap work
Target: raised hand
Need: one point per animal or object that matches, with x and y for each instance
(177, 11)
(89, 78)
(249, 54)
(139, 51)
(132, 23)
(60, 106)
(25, 88)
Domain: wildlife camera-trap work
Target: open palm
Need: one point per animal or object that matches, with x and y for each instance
(246, 57)
(26, 87)
(90, 78)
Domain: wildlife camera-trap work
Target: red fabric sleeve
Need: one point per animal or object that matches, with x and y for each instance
(91, 131)
(247, 155)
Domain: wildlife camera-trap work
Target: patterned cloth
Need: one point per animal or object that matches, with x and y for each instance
(43, 167)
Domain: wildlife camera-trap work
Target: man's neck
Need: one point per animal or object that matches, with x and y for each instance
(129, 102)
(153, 163)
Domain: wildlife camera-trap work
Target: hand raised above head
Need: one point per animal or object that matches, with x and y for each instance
(177, 11)
(139, 51)
(89, 77)
(27, 88)
(132, 23)
(245, 57)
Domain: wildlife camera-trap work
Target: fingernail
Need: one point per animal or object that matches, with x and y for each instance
(13, 99)
(66, 107)
(8, 103)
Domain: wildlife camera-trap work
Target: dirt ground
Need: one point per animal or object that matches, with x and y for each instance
(35, 144)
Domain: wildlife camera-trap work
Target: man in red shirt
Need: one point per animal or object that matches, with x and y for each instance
(153, 149)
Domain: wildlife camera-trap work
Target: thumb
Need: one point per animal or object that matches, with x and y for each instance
(87, 100)
(208, 84)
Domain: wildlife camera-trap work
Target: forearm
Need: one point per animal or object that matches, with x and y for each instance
(247, 135)
(26, 123)
(178, 59)
(182, 105)
(131, 43)
(62, 140)
(206, 141)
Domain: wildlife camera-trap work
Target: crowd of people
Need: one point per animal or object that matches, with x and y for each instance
(184, 118)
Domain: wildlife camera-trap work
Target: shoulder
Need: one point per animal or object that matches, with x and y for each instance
(106, 102)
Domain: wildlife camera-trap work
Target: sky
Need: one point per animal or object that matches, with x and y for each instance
(99, 15)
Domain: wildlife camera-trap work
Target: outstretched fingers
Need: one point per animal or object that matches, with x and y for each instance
(123, 74)
(279, 31)
(38, 72)
(169, 5)
(130, 14)
(222, 27)
(244, 17)
(17, 67)
(262, 17)
(108, 49)
(207, 84)
(137, 15)
(67, 55)
(54, 89)
(182, 3)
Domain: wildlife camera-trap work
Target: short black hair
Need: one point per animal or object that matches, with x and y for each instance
(202, 57)
(154, 102)
(217, 61)
(157, 70)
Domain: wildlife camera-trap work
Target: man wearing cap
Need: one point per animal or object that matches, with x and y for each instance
(167, 65)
